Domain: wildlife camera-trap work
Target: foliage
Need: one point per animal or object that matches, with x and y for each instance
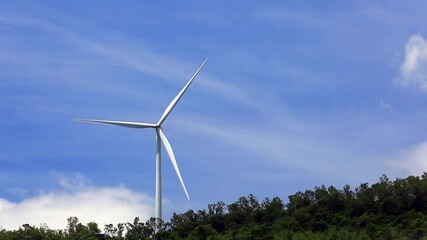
(385, 210)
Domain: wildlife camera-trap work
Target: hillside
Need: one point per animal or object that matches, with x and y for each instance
(384, 210)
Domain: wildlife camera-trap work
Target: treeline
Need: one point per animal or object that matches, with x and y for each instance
(385, 210)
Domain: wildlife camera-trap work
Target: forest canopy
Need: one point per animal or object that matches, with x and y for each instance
(384, 210)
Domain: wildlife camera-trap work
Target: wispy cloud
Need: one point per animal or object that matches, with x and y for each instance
(77, 197)
(285, 15)
(278, 145)
(386, 106)
(413, 71)
(116, 51)
(76, 182)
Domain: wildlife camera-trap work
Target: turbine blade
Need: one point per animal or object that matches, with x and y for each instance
(176, 99)
(120, 123)
(172, 158)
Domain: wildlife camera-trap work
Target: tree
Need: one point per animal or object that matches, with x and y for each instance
(384, 210)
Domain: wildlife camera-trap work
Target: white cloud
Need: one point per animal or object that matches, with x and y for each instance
(412, 160)
(102, 205)
(413, 71)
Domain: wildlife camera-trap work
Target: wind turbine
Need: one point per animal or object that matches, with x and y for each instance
(160, 138)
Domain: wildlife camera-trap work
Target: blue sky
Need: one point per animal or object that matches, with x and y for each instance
(296, 94)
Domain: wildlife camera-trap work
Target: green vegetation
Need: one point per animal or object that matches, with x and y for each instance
(385, 210)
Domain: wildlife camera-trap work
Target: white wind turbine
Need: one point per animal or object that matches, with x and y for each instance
(160, 137)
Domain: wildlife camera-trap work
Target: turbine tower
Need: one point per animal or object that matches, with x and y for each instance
(160, 138)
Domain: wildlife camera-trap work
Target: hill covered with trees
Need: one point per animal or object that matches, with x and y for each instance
(384, 210)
